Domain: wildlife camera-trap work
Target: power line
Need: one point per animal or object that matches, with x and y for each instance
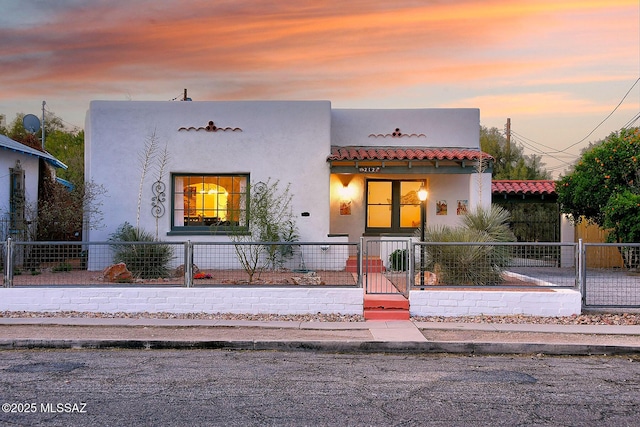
(61, 119)
(631, 121)
(540, 152)
(535, 142)
(606, 118)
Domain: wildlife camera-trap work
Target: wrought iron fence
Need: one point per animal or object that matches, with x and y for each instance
(608, 275)
(177, 264)
(494, 264)
(273, 263)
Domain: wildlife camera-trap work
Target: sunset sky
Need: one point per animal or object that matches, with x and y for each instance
(556, 68)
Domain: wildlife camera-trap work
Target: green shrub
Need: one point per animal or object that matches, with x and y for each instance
(63, 266)
(145, 261)
(399, 260)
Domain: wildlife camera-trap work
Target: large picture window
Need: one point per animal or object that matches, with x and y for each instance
(201, 202)
(392, 206)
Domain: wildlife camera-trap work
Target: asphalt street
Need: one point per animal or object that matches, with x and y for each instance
(306, 388)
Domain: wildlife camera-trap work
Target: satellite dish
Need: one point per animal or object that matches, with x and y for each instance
(31, 123)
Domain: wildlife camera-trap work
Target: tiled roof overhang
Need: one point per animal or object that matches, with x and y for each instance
(406, 159)
(508, 188)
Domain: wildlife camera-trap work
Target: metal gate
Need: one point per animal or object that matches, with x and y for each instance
(611, 275)
(386, 266)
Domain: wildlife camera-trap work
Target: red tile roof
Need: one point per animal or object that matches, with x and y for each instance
(405, 153)
(526, 187)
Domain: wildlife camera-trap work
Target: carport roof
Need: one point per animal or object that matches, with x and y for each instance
(512, 187)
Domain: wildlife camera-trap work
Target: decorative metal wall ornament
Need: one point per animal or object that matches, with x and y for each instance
(211, 127)
(157, 201)
(397, 134)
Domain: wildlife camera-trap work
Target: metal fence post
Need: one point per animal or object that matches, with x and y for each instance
(412, 264)
(359, 262)
(8, 281)
(188, 264)
(581, 263)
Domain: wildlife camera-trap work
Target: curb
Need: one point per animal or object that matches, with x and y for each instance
(331, 346)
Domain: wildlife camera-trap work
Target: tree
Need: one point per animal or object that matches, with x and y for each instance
(270, 219)
(65, 145)
(604, 188)
(510, 162)
(68, 147)
(62, 212)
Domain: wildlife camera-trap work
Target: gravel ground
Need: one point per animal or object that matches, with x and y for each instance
(583, 319)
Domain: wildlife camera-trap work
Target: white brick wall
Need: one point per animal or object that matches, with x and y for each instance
(185, 300)
(558, 302)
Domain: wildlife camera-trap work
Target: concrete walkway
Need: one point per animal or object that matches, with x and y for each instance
(369, 336)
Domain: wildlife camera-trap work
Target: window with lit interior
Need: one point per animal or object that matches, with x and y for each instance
(209, 202)
(392, 206)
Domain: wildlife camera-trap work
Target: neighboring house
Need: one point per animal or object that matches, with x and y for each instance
(352, 173)
(20, 169)
(533, 204)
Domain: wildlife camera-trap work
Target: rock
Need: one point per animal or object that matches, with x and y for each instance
(117, 273)
(179, 272)
(310, 278)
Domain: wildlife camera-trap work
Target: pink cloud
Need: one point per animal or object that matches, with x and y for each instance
(301, 48)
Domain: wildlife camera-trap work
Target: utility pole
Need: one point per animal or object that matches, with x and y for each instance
(508, 148)
(43, 104)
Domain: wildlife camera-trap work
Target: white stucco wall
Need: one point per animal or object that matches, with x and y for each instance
(280, 140)
(442, 127)
(287, 141)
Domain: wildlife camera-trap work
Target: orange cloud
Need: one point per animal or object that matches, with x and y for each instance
(537, 103)
(298, 48)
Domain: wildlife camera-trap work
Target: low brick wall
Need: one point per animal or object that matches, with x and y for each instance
(185, 300)
(441, 302)
(459, 302)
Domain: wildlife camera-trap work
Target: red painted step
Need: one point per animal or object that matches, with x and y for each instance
(386, 314)
(395, 301)
(386, 307)
(370, 265)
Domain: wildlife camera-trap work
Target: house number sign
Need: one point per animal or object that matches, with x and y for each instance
(371, 169)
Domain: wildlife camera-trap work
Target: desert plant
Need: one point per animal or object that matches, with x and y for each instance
(145, 261)
(399, 260)
(270, 219)
(468, 264)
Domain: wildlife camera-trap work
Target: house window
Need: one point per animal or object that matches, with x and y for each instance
(392, 206)
(209, 203)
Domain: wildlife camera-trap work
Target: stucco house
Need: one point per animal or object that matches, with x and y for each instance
(21, 168)
(352, 173)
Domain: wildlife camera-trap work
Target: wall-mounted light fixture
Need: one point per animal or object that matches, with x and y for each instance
(345, 192)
